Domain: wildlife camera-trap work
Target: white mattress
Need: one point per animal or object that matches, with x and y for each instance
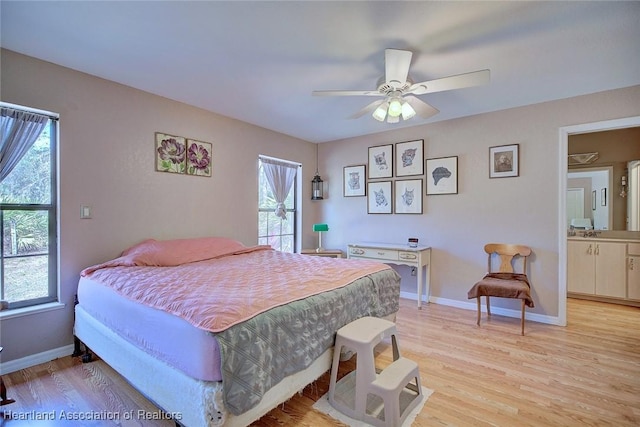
(163, 335)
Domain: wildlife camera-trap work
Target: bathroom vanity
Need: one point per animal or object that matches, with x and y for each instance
(604, 266)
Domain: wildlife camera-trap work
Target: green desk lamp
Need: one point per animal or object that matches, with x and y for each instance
(319, 228)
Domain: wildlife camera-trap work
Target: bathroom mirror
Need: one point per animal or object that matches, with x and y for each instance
(613, 197)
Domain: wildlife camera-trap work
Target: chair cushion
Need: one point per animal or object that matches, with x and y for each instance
(504, 285)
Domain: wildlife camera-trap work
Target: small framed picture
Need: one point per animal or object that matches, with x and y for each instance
(354, 181)
(379, 198)
(199, 158)
(381, 161)
(171, 153)
(603, 197)
(442, 175)
(410, 158)
(408, 199)
(504, 161)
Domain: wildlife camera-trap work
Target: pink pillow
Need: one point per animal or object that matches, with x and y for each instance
(180, 251)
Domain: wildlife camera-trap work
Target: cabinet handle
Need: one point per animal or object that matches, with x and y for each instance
(357, 251)
(590, 249)
(630, 263)
(597, 249)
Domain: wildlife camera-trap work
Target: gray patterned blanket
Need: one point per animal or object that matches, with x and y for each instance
(258, 353)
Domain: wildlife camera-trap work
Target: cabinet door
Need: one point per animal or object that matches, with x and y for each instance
(581, 267)
(633, 277)
(611, 269)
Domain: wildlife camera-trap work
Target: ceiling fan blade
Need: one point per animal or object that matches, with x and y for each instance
(396, 66)
(423, 109)
(368, 109)
(475, 78)
(346, 93)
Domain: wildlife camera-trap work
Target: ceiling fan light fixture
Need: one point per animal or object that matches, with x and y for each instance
(407, 111)
(393, 119)
(380, 113)
(395, 107)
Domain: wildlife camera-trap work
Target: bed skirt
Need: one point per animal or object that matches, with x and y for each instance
(192, 403)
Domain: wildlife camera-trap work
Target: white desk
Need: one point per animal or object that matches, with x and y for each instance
(389, 253)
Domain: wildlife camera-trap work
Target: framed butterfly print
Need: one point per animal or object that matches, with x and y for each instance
(410, 158)
(408, 196)
(379, 200)
(381, 161)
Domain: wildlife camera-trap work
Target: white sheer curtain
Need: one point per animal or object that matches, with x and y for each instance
(18, 130)
(280, 176)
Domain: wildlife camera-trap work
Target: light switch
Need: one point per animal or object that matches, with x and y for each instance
(85, 212)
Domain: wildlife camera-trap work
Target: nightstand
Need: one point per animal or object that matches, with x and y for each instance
(331, 253)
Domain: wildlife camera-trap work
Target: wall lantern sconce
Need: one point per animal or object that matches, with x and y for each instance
(317, 189)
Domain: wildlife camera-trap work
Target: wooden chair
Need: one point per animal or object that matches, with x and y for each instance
(504, 282)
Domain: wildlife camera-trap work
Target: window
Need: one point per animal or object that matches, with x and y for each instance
(277, 219)
(28, 217)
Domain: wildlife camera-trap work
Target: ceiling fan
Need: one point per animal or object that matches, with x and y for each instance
(398, 90)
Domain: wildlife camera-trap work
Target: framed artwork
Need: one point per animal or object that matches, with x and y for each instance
(408, 196)
(442, 175)
(504, 161)
(381, 161)
(199, 158)
(593, 200)
(410, 158)
(170, 153)
(379, 197)
(354, 181)
(603, 197)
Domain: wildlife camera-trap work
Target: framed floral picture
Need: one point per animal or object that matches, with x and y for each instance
(410, 158)
(354, 181)
(199, 158)
(442, 175)
(379, 197)
(381, 161)
(504, 161)
(170, 153)
(408, 199)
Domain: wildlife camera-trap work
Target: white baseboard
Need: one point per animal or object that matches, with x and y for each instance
(35, 359)
(472, 305)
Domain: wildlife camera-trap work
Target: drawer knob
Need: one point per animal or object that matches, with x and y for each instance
(408, 256)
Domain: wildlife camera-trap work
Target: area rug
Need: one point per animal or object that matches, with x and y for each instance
(346, 395)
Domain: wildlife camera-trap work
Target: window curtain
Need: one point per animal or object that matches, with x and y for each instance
(19, 130)
(280, 176)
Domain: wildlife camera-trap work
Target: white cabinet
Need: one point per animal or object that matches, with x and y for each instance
(633, 272)
(597, 268)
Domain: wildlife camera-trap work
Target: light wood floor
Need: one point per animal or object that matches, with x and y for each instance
(586, 374)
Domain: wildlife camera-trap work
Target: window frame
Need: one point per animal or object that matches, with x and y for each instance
(292, 213)
(52, 209)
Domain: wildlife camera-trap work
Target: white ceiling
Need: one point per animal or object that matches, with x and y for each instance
(259, 61)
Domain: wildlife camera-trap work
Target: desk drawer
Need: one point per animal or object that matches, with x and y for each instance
(387, 254)
(408, 256)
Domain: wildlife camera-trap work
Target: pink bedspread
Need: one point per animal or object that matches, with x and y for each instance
(214, 294)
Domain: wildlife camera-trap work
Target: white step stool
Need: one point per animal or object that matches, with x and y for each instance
(371, 387)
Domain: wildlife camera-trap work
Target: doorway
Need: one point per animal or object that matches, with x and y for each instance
(562, 185)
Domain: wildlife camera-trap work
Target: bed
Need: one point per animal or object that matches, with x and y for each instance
(218, 333)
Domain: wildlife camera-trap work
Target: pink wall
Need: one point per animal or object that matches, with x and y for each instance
(107, 161)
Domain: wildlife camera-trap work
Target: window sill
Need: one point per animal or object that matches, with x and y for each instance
(27, 311)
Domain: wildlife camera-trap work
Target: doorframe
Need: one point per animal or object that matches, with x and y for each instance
(563, 168)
